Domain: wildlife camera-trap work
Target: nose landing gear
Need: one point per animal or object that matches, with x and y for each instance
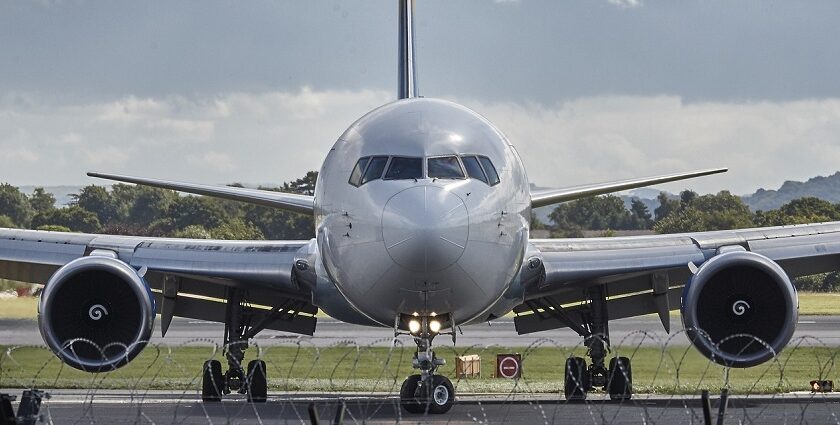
(426, 392)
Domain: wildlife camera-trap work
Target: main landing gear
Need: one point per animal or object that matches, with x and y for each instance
(251, 381)
(426, 392)
(616, 379)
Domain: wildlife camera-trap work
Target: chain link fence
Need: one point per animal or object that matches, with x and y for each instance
(349, 383)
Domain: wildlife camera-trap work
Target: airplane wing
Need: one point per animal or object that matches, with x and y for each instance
(304, 204)
(188, 277)
(647, 274)
(541, 198)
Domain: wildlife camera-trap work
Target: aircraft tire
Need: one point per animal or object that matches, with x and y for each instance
(576, 379)
(442, 396)
(212, 381)
(408, 400)
(257, 382)
(620, 383)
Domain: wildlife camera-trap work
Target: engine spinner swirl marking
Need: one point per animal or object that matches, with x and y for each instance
(97, 311)
(740, 307)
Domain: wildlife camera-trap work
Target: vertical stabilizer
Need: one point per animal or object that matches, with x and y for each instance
(407, 86)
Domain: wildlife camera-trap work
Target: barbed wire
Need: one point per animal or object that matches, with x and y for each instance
(163, 384)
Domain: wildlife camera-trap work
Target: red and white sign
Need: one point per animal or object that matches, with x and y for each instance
(508, 366)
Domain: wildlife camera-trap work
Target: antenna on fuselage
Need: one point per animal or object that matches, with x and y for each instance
(406, 86)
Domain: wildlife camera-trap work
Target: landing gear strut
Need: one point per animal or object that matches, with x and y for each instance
(616, 379)
(251, 381)
(426, 392)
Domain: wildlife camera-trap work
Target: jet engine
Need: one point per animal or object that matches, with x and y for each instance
(740, 309)
(96, 313)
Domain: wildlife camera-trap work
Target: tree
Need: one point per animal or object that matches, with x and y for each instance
(708, 212)
(150, 204)
(41, 201)
(799, 211)
(236, 229)
(640, 215)
(99, 201)
(277, 224)
(666, 206)
(304, 185)
(74, 217)
(536, 223)
(195, 210)
(593, 213)
(15, 205)
(7, 222)
(192, 232)
(687, 197)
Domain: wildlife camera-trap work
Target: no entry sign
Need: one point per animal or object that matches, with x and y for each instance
(509, 366)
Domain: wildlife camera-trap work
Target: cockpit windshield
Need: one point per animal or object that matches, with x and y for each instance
(403, 168)
(375, 168)
(358, 170)
(370, 168)
(445, 167)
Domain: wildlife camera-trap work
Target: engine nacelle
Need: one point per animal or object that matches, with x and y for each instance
(740, 309)
(96, 313)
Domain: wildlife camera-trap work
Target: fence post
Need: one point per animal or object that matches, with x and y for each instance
(707, 407)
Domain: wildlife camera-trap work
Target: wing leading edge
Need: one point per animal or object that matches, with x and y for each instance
(287, 201)
(541, 198)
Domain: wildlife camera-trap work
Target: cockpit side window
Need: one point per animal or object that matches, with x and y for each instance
(358, 171)
(444, 167)
(375, 168)
(492, 175)
(474, 168)
(403, 168)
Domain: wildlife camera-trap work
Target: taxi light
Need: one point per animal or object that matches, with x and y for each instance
(434, 326)
(414, 326)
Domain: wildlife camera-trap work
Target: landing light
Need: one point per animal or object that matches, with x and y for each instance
(414, 326)
(434, 326)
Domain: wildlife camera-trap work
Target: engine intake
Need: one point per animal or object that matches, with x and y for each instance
(740, 309)
(96, 313)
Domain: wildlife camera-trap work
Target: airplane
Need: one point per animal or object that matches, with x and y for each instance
(422, 210)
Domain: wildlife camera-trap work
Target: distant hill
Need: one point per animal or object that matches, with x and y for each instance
(826, 188)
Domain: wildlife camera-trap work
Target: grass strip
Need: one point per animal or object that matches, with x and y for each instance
(673, 370)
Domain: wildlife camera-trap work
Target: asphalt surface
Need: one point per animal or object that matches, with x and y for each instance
(646, 330)
(68, 407)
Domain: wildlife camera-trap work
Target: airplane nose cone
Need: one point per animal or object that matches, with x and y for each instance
(425, 228)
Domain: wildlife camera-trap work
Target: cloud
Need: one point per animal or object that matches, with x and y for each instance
(625, 3)
(214, 161)
(276, 136)
(605, 138)
(279, 135)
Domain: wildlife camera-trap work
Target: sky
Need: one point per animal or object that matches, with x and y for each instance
(257, 92)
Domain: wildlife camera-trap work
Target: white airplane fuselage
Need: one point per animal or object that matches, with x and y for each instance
(425, 245)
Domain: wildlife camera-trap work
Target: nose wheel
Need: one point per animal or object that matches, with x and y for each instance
(426, 392)
(435, 396)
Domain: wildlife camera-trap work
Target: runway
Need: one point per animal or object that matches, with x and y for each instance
(646, 330)
(121, 407)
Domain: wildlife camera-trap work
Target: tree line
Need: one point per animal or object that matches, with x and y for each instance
(146, 211)
(690, 212)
